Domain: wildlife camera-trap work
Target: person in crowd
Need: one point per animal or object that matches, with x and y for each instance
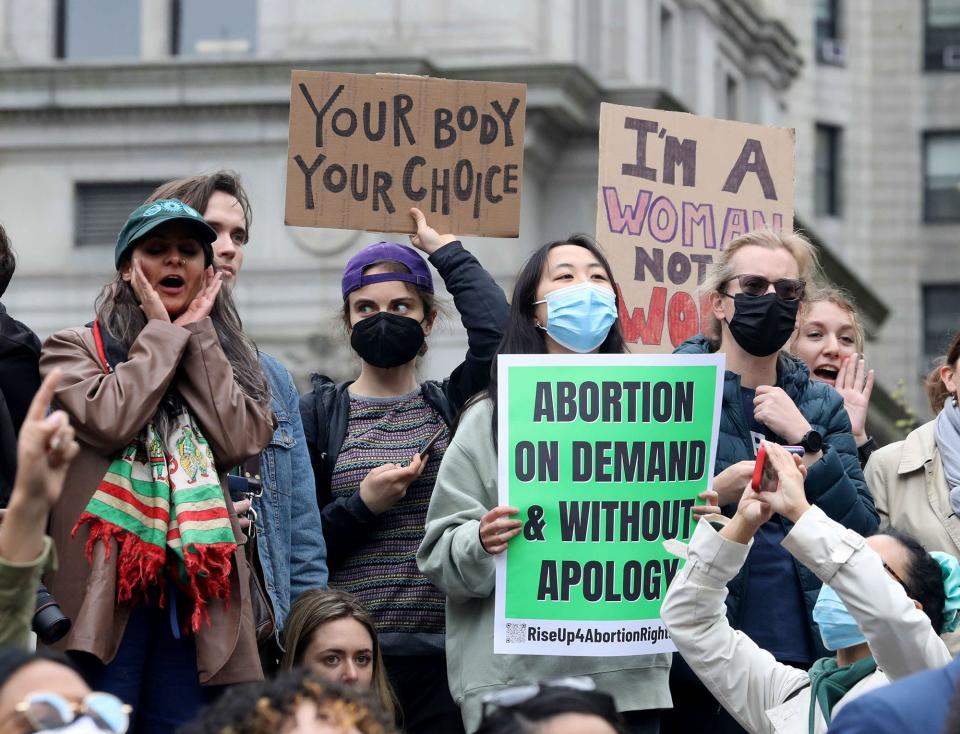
(44, 693)
(551, 708)
(754, 292)
(289, 540)
(564, 301)
(916, 482)
(19, 347)
(882, 606)
(923, 703)
(829, 340)
(19, 373)
(330, 633)
(165, 393)
(45, 450)
(368, 437)
(294, 702)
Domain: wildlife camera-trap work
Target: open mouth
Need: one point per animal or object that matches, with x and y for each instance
(826, 373)
(171, 283)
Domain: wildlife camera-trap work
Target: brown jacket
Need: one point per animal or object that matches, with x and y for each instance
(108, 410)
(911, 494)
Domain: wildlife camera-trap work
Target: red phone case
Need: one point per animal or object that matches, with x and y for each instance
(758, 469)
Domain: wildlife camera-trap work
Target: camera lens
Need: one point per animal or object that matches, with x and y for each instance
(49, 622)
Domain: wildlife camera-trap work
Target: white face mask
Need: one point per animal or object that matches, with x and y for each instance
(80, 725)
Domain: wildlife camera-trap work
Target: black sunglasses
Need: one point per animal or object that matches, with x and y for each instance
(787, 289)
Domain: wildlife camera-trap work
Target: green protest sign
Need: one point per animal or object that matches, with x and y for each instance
(604, 455)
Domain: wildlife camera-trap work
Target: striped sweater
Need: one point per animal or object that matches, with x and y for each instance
(407, 609)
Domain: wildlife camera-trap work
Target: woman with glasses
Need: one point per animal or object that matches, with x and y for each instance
(754, 292)
(40, 693)
(883, 602)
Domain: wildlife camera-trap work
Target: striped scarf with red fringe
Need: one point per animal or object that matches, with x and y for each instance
(162, 502)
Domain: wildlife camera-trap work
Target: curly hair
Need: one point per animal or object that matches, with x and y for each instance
(264, 707)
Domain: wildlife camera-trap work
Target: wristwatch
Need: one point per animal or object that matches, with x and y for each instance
(812, 442)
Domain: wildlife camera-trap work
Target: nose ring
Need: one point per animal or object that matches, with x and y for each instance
(182, 261)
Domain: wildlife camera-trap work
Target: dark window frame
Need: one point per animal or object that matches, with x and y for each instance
(934, 344)
(176, 34)
(60, 40)
(934, 61)
(829, 203)
(927, 192)
(829, 31)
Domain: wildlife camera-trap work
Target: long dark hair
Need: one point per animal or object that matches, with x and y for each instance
(924, 582)
(521, 335)
(313, 609)
(119, 312)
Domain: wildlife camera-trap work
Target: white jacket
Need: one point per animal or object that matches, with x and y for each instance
(759, 692)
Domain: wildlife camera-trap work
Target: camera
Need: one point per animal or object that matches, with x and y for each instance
(49, 622)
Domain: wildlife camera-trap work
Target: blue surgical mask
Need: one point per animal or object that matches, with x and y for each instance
(838, 628)
(579, 317)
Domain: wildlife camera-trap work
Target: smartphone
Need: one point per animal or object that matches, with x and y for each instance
(428, 444)
(763, 475)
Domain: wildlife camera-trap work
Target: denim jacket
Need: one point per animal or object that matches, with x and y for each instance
(290, 539)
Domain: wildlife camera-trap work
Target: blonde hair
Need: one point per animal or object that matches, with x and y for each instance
(315, 608)
(839, 298)
(803, 252)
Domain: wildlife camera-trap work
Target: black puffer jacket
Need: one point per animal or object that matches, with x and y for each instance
(835, 483)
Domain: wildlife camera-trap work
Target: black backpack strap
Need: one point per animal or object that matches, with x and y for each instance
(326, 443)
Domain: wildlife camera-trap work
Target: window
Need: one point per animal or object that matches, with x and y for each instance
(828, 36)
(666, 47)
(91, 29)
(102, 208)
(214, 27)
(941, 177)
(731, 95)
(726, 94)
(942, 35)
(941, 314)
(827, 173)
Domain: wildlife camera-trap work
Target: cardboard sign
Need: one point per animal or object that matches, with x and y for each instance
(673, 190)
(363, 149)
(604, 456)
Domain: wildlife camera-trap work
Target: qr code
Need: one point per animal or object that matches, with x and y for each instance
(516, 632)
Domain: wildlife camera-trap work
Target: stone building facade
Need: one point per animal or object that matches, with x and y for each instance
(99, 99)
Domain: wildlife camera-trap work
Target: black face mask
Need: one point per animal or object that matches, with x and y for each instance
(386, 339)
(762, 324)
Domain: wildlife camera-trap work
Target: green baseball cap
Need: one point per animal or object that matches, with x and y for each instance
(148, 217)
